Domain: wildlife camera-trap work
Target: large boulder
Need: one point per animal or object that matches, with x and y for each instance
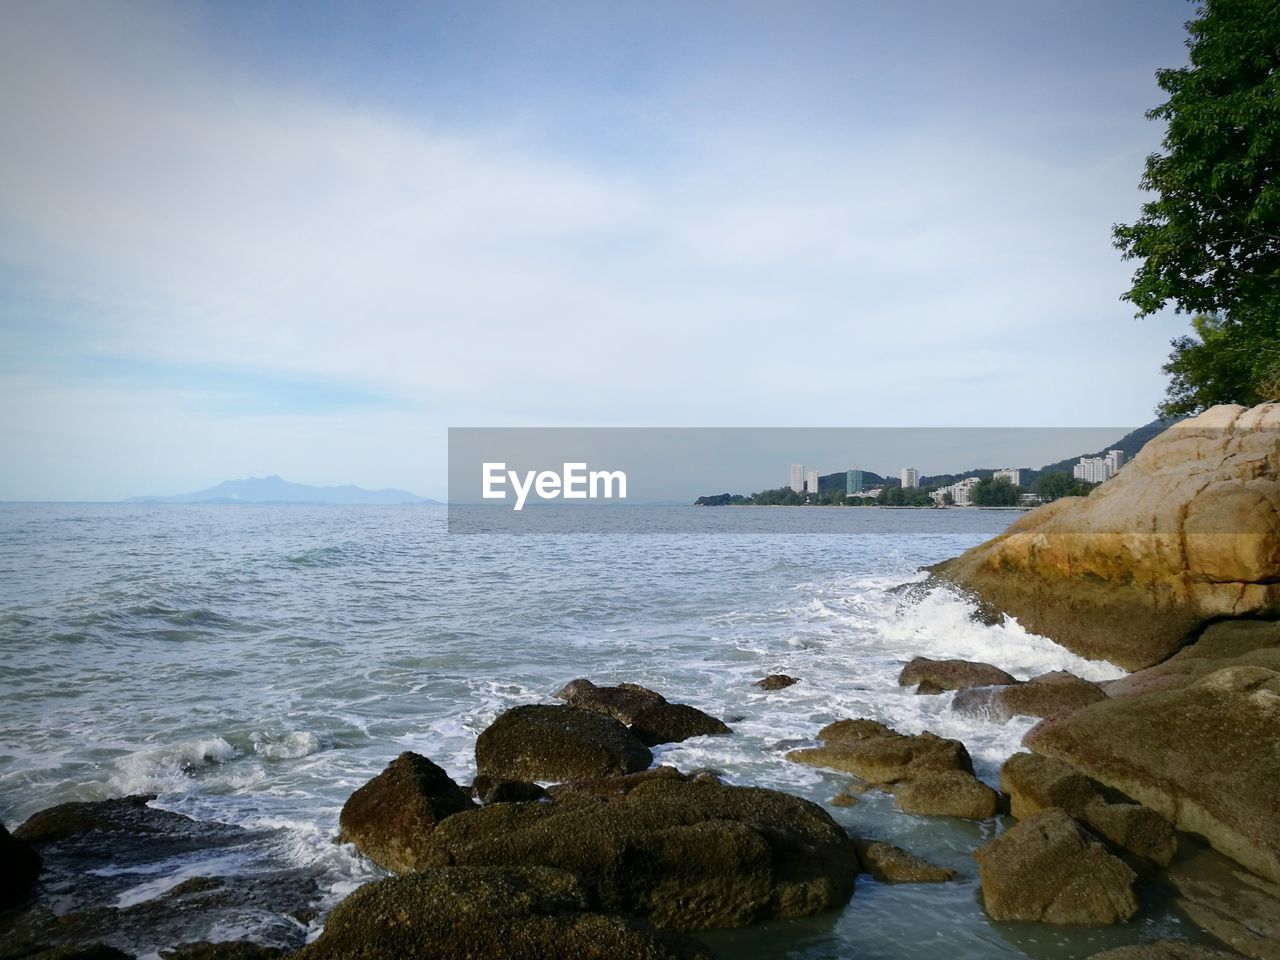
(488, 913)
(544, 742)
(1203, 756)
(1046, 869)
(936, 676)
(1185, 534)
(673, 723)
(19, 867)
(947, 793)
(681, 852)
(878, 754)
(621, 702)
(1228, 643)
(390, 817)
(1034, 783)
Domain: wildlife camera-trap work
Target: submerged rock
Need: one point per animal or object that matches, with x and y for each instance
(390, 817)
(936, 676)
(1165, 950)
(488, 913)
(19, 868)
(1185, 534)
(947, 793)
(95, 854)
(673, 723)
(878, 754)
(1203, 756)
(543, 742)
(1048, 695)
(1239, 909)
(1045, 869)
(622, 702)
(776, 681)
(685, 853)
(891, 864)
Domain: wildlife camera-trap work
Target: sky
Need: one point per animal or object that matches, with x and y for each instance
(306, 239)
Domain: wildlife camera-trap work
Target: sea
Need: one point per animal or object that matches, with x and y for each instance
(255, 664)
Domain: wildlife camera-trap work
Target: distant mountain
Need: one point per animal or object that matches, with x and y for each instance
(273, 489)
(1130, 443)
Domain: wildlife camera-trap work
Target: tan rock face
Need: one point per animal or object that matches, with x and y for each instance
(1045, 869)
(1203, 756)
(1186, 533)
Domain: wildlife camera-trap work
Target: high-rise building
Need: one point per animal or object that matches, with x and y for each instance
(797, 477)
(961, 492)
(1098, 469)
(910, 477)
(812, 483)
(1012, 474)
(852, 483)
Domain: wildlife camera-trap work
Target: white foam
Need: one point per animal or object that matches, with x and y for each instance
(169, 768)
(291, 746)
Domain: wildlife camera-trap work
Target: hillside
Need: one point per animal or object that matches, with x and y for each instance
(274, 489)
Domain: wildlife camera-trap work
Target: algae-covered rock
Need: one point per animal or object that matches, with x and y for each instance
(891, 864)
(946, 793)
(685, 853)
(935, 676)
(622, 702)
(1203, 756)
(1045, 869)
(673, 723)
(544, 742)
(390, 816)
(877, 754)
(488, 913)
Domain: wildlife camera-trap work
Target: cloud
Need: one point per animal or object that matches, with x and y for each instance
(252, 248)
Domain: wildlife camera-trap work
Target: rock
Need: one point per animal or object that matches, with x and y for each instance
(1187, 533)
(1202, 756)
(1229, 643)
(1045, 869)
(891, 864)
(19, 868)
(685, 853)
(1241, 910)
(622, 702)
(221, 950)
(1165, 950)
(946, 793)
(1034, 783)
(490, 790)
(1134, 828)
(542, 742)
(488, 913)
(389, 817)
(95, 852)
(1048, 695)
(845, 799)
(935, 676)
(87, 951)
(674, 722)
(878, 754)
(776, 681)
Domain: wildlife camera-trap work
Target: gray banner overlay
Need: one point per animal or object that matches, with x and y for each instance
(782, 480)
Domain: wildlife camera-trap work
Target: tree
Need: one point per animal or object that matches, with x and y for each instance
(1055, 485)
(1209, 243)
(995, 493)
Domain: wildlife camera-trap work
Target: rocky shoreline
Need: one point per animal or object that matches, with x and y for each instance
(570, 842)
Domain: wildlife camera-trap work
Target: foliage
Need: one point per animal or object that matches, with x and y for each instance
(904, 497)
(1209, 242)
(1055, 486)
(995, 493)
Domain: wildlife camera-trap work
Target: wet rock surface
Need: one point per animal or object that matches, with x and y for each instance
(673, 723)
(936, 676)
(390, 817)
(681, 852)
(947, 793)
(1046, 869)
(125, 875)
(558, 743)
(488, 913)
(776, 681)
(878, 754)
(19, 868)
(1051, 694)
(1166, 950)
(622, 702)
(891, 864)
(1236, 907)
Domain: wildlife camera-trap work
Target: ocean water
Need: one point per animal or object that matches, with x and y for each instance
(255, 664)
